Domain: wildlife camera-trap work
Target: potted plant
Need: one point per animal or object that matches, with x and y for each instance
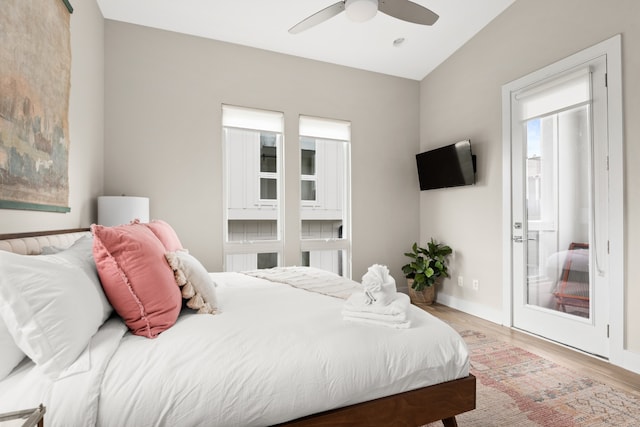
(427, 267)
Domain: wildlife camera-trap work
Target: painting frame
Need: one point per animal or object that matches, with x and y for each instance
(35, 83)
(68, 5)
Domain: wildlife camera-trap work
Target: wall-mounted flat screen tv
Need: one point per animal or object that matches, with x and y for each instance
(449, 166)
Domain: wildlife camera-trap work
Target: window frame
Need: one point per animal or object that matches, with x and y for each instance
(250, 247)
(340, 132)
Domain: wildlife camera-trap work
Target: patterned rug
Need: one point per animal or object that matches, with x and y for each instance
(518, 388)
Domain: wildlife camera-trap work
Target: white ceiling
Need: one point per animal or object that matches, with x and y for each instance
(369, 46)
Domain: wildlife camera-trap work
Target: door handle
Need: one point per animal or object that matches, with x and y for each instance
(519, 239)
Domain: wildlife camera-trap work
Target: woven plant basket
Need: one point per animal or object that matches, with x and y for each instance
(425, 297)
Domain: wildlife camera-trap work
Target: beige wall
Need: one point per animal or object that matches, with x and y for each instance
(86, 119)
(462, 99)
(164, 93)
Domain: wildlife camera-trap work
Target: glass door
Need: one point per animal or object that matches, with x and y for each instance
(559, 205)
(557, 226)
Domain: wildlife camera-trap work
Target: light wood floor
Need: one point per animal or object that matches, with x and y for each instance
(592, 367)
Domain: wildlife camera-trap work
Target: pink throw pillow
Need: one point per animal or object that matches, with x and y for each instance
(166, 234)
(136, 277)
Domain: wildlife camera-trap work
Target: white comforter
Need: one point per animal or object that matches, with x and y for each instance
(274, 353)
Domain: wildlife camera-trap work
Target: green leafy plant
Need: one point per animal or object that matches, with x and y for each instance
(427, 264)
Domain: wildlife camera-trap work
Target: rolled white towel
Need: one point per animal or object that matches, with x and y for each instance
(357, 302)
(395, 314)
(379, 286)
(399, 325)
(395, 318)
(380, 304)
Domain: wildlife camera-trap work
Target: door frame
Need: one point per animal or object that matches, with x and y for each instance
(612, 48)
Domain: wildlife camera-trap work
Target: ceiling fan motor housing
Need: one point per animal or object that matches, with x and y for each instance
(361, 10)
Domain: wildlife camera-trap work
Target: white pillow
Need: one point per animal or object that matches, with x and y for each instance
(11, 354)
(52, 304)
(80, 255)
(197, 286)
(50, 250)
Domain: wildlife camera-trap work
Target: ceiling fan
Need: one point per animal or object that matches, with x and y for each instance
(363, 10)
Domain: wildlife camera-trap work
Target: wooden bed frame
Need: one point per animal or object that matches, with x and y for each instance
(412, 408)
(41, 233)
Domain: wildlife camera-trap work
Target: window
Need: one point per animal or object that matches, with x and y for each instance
(325, 194)
(555, 121)
(268, 166)
(253, 191)
(308, 169)
(252, 144)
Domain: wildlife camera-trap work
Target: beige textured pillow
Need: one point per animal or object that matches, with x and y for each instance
(193, 278)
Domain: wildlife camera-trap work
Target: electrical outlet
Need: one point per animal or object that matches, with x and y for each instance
(475, 284)
(460, 281)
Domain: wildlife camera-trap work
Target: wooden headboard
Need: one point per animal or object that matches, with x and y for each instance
(33, 242)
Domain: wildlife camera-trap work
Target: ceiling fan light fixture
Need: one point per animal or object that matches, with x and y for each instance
(361, 10)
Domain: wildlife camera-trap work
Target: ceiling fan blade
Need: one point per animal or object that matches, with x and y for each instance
(318, 17)
(408, 11)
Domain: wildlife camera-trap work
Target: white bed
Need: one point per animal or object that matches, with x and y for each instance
(273, 354)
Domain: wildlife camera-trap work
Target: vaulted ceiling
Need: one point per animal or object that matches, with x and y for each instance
(369, 45)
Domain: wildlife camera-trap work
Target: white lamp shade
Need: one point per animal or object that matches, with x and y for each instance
(118, 210)
(361, 10)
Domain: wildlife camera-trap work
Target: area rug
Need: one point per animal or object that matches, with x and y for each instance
(518, 388)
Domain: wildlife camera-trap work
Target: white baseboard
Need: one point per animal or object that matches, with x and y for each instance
(472, 308)
(626, 359)
(630, 361)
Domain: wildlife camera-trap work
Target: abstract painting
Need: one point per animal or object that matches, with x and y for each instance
(35, 80)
